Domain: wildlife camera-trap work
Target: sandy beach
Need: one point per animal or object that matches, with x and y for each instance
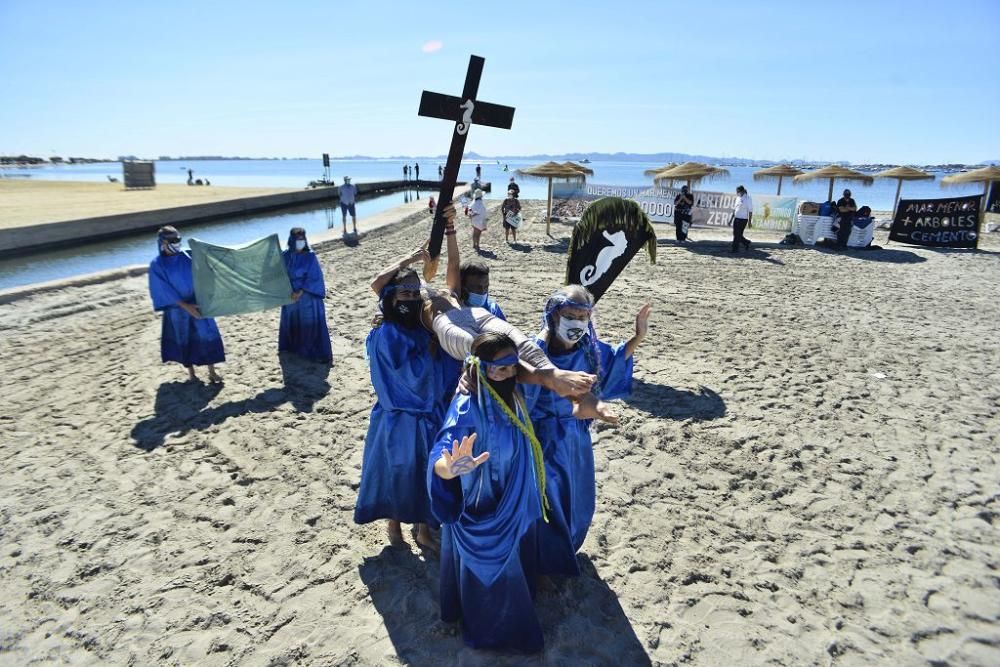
(27, 202)
(806, 473)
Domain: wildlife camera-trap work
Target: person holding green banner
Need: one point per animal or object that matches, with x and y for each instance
(186, 337)
(303, 322)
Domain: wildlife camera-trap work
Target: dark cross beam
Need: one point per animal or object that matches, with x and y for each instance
(465, 111)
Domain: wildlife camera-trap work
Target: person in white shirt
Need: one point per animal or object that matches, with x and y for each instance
(348, 195)
(477, 213)
(742, 214)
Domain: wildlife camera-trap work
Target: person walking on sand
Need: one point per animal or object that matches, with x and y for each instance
(348, 195)
(742, 215)
(416, 171)
(510, 210)
(186, 336)
(303, 329)
(682, 213)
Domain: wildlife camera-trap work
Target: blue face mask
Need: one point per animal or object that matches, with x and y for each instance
(477, 300)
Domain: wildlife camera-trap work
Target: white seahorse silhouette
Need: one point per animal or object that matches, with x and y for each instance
(590, 275)
(463, 127)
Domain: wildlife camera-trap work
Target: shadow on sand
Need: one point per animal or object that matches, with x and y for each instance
(403, 587)
(662, 400)
(180, 406)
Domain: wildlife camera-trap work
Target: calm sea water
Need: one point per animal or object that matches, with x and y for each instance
(297, 173)
(100, 256)
(141, 248)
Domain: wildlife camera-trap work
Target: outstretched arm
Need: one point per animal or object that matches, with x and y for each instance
(383, 278)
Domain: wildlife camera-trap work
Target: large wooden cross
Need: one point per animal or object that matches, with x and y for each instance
(465, 111)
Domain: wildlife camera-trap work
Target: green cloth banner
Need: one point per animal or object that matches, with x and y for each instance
(234, 281)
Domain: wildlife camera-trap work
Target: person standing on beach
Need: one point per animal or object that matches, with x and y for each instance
(479, 171)
(510, 211)
(742, 215)
(186, 336)
(486, 484)
(440, 172)
(682, 213)
(348, 194)
(477, 215)
(416, 171)
(571, 343)
(406, 415)
(846, 210)
(406, 172)
(303, 328)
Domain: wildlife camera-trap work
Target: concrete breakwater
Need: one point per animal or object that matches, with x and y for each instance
(49, 235)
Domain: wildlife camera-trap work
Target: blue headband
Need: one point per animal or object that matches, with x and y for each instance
(509, 360)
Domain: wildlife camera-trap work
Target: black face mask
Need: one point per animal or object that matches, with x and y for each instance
(405, 313)
(505, 388)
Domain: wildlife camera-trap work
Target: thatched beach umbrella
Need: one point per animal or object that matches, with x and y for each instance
(691, 172)
(903, 174)
(779, 171)
(655, 170)
(834, 172)
(549, 171)
(579, 167)
(987, 176)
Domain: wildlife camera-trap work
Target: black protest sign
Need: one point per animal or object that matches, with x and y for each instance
(940, 223)
(610, 233)
(993, 201)
(465, 111)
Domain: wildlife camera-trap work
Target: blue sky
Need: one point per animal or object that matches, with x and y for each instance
(902, 82)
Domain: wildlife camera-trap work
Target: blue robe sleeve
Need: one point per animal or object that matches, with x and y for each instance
(447, 498)
(616, 371)
(402, 369)
(161, 291)
(494, 308)
(314, 278)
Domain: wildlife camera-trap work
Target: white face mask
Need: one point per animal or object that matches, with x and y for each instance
(300, 244)
(571, 331)
(174, 248)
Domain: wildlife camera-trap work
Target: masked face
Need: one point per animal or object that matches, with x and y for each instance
(300, 244)
(476, 290)
(503, 379)
(405, 307)
(572, 326)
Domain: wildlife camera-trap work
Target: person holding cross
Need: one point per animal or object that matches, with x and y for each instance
(456, 326)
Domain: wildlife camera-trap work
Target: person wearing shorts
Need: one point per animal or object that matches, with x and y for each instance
(348, 195)
(477, 215)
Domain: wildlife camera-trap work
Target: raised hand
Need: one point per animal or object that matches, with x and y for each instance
(642, 321)
(420, 255)
(460, 460)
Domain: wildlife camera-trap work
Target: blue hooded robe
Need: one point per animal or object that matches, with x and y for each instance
(303, 323)
(569, 452)
(488, 530)
(184, 339)
(402, 426)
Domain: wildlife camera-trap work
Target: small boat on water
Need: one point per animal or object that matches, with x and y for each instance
(584, 161)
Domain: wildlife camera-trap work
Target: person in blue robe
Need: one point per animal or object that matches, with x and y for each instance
(475, 291)
(571, 343)
(486, 484)
(186, 337)
(303, 323)
(405, 418)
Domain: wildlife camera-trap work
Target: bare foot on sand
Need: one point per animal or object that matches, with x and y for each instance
(425, 540)
(395, 534)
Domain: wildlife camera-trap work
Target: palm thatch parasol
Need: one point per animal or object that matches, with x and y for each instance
(548, 171)
(655, 170)
(987, 176)
(834, 172)
(779, 171)
(579, 167)
(903, 174)
(691, 172)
